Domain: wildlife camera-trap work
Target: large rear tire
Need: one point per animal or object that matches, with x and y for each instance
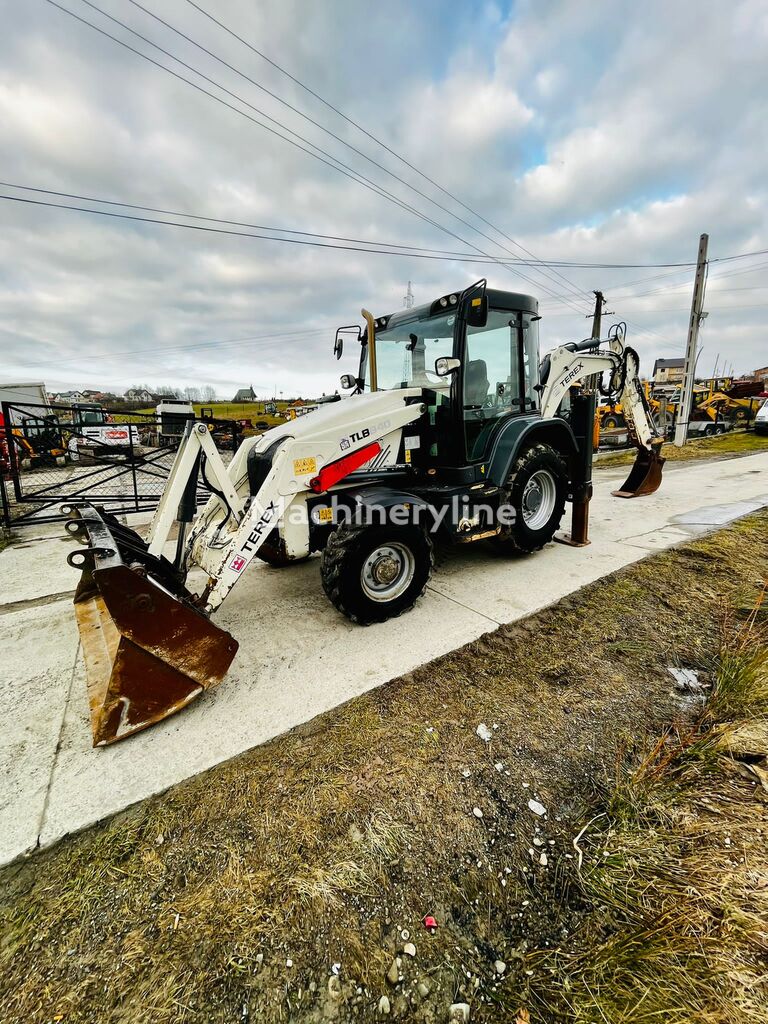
(374, 573)
(536, 490)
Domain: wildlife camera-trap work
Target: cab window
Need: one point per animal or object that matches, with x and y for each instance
(491, 378)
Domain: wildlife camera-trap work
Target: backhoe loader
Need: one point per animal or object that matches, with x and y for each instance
(453, 433)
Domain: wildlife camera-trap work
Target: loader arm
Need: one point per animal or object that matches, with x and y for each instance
(570, 365)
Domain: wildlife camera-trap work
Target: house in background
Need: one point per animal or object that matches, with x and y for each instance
(68, 397)
(762, 375)
(139, 395)
(245, 395)
(668, 371)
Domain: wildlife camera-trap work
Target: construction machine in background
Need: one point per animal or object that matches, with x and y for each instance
(34, 442)
(454, 432)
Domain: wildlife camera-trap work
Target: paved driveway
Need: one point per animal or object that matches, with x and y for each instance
(298, 657)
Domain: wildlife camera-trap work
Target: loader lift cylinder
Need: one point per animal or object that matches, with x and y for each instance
(188, 505)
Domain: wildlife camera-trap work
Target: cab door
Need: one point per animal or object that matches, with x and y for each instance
(494, 371)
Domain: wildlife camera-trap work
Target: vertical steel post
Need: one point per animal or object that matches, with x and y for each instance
(133, 468)
(583, 411)
(689, 372)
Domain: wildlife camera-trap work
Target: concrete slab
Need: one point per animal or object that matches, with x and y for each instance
(299, 658)
(720, 515)
(37, 656)
(32, 568)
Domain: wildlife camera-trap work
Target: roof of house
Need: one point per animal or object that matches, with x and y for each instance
(668, 364)
(244, 394)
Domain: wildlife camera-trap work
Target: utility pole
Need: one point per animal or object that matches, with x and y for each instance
(689, 370)
(597, 316)
(408, 298)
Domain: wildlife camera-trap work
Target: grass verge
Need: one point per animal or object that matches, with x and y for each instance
(739, 442)
(568, 882)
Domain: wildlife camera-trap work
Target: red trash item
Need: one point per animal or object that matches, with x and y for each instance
(430, 924)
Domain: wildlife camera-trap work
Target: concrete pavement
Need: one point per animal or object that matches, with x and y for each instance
(298, 657)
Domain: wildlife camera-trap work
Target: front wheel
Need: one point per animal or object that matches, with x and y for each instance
(373, 573)
(272, 551)
(536, 491)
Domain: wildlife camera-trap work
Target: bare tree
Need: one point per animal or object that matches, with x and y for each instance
(207, 393)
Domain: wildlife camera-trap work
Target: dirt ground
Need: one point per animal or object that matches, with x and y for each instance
(512, 790)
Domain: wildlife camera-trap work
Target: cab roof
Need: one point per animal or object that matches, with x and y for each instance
(497, 299)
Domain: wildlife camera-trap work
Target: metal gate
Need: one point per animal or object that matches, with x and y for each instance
(52, 454)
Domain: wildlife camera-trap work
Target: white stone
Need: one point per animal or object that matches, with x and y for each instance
(484, 732)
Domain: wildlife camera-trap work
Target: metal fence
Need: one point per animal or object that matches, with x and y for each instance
(52, 454)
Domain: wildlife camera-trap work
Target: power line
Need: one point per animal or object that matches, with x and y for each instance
(331, 162)
(578, 292)
(314, 234)
(236, 234)
(322, 128)
(233, 223)
(353, 175)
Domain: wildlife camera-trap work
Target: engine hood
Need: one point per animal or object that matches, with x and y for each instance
(342, 415)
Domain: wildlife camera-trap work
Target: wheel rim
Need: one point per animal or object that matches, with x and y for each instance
(387, 572)
(539, 497)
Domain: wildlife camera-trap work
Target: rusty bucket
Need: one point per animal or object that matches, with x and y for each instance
(645, 475)
(147, 652)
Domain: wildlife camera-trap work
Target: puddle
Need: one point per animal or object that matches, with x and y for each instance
(720, 515)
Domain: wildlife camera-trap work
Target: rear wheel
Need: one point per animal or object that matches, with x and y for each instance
(536, 490)
(612, 422)
(373, 573)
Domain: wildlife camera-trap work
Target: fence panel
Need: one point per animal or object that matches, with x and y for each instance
(54, 453)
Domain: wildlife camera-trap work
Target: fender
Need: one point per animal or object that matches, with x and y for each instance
(377, 496)
(522, 432)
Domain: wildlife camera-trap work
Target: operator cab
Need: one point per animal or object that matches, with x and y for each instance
(474, 355)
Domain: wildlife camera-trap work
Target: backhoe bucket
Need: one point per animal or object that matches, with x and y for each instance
(645, 475)
(147, 653)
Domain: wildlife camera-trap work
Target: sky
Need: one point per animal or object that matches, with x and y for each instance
(601, 131)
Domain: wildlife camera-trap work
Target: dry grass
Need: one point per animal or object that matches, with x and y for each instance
(323, 846)
(675, 884)
(738, 442)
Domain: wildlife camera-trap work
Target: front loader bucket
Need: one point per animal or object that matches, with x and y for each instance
(147, 653)
(645, 475)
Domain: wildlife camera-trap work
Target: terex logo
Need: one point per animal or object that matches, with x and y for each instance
(575, 372)
(360, 435)
(257, 532)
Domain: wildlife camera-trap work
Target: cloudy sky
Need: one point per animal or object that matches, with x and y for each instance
(583, 130)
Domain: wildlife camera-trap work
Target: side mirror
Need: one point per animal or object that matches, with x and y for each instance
(477, 311)
(338, 344)
(348, 381)
(446, 365)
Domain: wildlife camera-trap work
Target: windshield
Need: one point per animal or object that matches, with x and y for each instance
(406, 352)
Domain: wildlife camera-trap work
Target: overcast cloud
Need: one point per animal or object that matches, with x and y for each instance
(596, 131)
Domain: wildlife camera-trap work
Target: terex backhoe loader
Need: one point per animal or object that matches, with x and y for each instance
(453, 431)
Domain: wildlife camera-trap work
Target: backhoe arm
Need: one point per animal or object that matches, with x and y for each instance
(570, 365)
